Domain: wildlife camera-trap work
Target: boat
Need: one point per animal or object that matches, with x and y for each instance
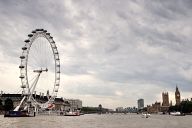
(146, 115)
(71, 113)
(177, 114)
(18, 114)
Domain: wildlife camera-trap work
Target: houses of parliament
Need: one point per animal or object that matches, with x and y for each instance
(164, 107)
(165, 98)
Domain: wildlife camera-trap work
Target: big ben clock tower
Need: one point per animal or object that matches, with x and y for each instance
(177, 96)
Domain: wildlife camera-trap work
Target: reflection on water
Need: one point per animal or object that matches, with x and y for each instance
(98, 121)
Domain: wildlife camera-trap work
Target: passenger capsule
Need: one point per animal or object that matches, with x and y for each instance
(53, 42)
(21, 66)
(27, 41)
(56, 90)
(34, 31)
(47, 33)
(57, 85)
(37, 29)
(51, 37)
(24, 48)
(23, 86)
(30, 35)
(21, 77)
(22, 57)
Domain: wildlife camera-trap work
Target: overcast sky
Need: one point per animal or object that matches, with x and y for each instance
(112, 52)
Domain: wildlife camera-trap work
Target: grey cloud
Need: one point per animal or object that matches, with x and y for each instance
(101, 39)
(168, 10)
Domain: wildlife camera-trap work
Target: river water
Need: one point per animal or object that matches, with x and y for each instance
(98, 121)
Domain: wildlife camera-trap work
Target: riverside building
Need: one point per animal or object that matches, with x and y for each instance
(140, 103)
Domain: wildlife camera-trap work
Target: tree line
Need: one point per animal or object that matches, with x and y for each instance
(8, 105)
(183, 107)
(89, 110)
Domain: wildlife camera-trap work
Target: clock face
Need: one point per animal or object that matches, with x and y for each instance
(178, 95)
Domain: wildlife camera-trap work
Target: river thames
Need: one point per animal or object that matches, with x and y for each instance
(98, 121)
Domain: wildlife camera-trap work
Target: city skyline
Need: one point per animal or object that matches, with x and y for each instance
(111, 52)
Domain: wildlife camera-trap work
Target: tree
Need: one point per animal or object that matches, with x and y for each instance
(89, 110)
(1, 105)
(186, 106)
(100, 108)
(8, 104)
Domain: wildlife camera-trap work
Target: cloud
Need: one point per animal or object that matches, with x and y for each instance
(111, 52)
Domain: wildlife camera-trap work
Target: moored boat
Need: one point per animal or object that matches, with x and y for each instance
(177, 114)
(71, 113)
(146, 115)
(18, 114)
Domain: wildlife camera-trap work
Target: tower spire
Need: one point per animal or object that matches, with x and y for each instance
(177, 96)
(177, 88)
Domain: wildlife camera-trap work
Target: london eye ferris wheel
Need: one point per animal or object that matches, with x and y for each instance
(40, 65)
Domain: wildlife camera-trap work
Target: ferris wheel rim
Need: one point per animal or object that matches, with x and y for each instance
(35, 34)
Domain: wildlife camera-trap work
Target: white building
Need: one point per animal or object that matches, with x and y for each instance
(140, 103)
(75, 104)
